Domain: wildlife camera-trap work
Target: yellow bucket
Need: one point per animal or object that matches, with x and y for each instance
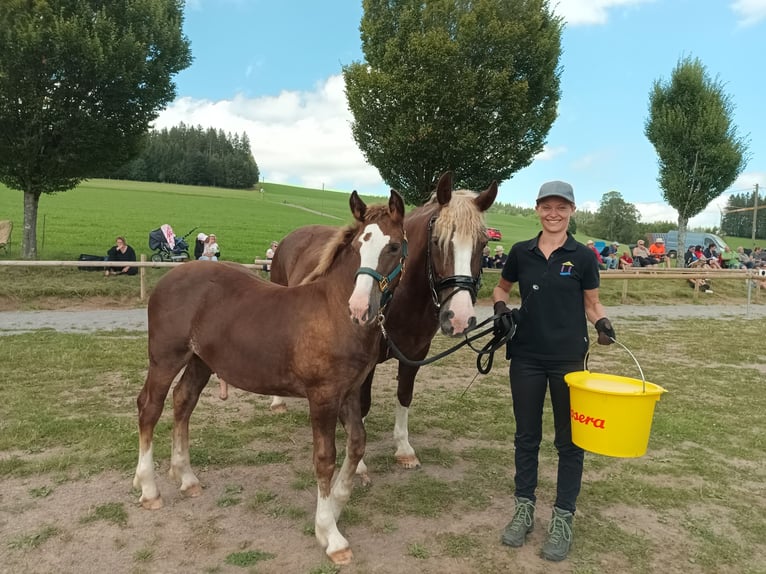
(611, 415)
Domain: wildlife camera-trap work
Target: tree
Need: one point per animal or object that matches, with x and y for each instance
(80, 82)
(469, 86)
(616, 219)
(690, 125)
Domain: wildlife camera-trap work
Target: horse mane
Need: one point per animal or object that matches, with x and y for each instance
(341, 240)
(460, 215)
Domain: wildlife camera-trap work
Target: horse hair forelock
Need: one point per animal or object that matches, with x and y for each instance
(461, 216)
(341, 239)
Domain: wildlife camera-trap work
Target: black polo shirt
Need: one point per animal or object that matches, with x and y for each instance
(553, 323)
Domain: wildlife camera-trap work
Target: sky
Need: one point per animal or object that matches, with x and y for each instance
(273, 69)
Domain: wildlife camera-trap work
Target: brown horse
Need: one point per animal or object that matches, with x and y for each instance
(446, 237)
(207, 317)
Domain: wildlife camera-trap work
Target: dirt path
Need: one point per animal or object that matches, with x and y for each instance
(84, 321)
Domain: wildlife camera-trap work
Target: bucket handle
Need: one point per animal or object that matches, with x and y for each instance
(632, 356)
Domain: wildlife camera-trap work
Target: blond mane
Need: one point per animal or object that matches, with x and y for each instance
(461, 216)
(341, 239)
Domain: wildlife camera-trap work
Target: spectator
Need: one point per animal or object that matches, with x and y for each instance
(500, 257)
(612, 258)
(759, 257)
(626, 261)
(486, 258)
(641, 254)
(199, 245)
(210, 251)
(691, 260)
(590, 245)
(712, 256)
(121, 251)
(745, 259)
(657, 252)
(730, 259)
(270, 255)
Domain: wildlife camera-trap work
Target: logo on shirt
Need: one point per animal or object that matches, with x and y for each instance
(566, 269)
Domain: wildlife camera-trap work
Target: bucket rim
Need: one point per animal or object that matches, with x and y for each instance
(645, 388)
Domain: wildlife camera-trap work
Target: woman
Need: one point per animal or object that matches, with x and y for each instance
(210, 250)
(626, 261)
(558, 280)
(121, 251)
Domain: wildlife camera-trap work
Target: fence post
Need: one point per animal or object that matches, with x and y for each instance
(142, 281)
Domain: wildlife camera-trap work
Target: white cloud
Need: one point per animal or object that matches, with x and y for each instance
(549, 153)
(299, 138)
(587, 12)
(749, 12)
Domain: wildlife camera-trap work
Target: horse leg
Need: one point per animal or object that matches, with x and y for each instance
(278, 404)
(150, 403)
(324, 418)
(185, 396)
(405, 454)
(356, 439)
(365, 404)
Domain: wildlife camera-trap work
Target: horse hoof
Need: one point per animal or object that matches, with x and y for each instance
(152, 504)
(409, 462)
(279, 409)
(193, 491)
(365, 479)
(342, 557)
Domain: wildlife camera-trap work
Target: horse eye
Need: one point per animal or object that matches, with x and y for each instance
(394, 247)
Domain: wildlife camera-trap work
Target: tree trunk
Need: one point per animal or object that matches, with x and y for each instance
(29, 233)
(681, 248)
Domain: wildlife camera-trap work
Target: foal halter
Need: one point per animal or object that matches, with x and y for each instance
(384, 281)
(459, 282)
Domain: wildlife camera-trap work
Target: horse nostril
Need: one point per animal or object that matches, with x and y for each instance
(471, 323)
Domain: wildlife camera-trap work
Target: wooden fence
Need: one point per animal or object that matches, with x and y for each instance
(626, 276)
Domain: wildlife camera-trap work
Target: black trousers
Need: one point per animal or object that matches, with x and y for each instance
(530, 379)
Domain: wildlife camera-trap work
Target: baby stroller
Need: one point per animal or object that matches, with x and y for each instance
(168, 247)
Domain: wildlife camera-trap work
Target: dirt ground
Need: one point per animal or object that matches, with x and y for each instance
(198, 534)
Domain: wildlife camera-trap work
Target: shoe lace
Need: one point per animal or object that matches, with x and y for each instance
(523, 514)
(558, 529)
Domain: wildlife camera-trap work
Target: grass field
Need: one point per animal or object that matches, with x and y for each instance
(696, 503)
(88, 218)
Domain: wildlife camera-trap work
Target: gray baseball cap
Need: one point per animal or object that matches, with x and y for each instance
(556, 189)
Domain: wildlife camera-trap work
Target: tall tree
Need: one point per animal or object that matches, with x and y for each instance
(690, 125)
(469, 86)
(616, 219)
(80, 82)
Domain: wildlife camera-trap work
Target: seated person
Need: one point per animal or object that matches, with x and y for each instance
(713, 257)
(199, 245)
(590, 245)
(499, 260)
(210, 251)
(730, 260)
(758, 257)
(641, 254)
(691, 260)
(745, 260)
(626, 261)
(486, 258)
(657, 251)
(121, 251)
(270, 254)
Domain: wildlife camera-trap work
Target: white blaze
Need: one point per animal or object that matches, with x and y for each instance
(461, 304)
(373, 242)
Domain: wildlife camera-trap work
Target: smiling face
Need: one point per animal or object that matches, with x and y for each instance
(554, 213)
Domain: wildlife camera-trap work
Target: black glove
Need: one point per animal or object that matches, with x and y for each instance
(505, 319)
(605, 331)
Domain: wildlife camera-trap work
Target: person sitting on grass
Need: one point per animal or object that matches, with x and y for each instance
(657, 251)
(730, 259)
(121, 251)
(626, 261)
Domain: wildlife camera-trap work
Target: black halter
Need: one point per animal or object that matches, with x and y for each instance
(384, 282)
(458, 282)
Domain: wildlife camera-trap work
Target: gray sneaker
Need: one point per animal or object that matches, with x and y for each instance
(523, 523)
(559, 540)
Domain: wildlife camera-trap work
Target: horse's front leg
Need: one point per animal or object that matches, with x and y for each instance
(405, 454)
(324, 418)
(150, 403)
(185, 397)
(365, 402)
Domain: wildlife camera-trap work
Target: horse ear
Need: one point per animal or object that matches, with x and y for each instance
(444, 188)
(396, 205)
(358, 207)
(487, 197)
